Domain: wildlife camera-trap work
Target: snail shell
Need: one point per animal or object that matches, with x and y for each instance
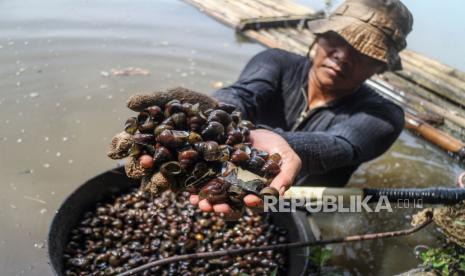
(179, 120)
(247, 124)
(173, 172)
(172, 107)
(141, 138)
(215, 191)
(269, 191)
(173, 138)
(229, 108)
(194, 138)
(236, 194)
(220, 116)
(213, 131)
(159, 129)
(236, 117)
(120, 145)
(130, 126)
(255, 164)
(235, 137)
(270, 168)
(195, 123)
(210, 150)
(240, 157)
(155, 112)
(188, 158)
(161, 155)
(147, 127)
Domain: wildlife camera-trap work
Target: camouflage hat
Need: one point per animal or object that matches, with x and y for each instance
(376, 28)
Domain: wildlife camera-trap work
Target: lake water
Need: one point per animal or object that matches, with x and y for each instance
(59, 110)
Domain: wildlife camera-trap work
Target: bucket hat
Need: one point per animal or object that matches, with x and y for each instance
(376, 28)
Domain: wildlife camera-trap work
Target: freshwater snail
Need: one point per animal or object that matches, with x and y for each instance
(183, 140)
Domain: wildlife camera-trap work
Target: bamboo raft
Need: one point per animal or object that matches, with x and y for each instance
(431, 93)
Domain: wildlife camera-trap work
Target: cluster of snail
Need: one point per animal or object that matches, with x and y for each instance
(181, 146)
(133, 229)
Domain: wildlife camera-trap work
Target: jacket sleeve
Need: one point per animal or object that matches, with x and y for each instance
(362, 137)
(258, 83)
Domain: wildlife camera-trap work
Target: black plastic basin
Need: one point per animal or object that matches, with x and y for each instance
(115, 182)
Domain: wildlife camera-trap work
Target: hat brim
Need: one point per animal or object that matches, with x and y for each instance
(362, 36)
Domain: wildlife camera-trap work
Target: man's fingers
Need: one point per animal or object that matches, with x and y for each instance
(252, 200)
(281, 182)
(205, 206)
(222, 208)
(194, 199)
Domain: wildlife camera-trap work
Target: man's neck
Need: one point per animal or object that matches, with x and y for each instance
(318, 95)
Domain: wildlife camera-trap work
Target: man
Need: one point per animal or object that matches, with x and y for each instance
(318, 114)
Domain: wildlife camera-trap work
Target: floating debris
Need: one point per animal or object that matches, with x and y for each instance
(35, 199)
(34, 95)
(217, 84)
(39, 245)
(129, 71)
(27, 171)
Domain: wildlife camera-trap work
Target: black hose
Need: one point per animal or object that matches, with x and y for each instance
(426, 195)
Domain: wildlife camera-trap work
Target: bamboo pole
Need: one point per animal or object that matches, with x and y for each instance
(430, 70)
(267, 10)
(300, 36)
(440, 138)
(282, 36)
(211, 8)
(436, 86)
(414, 89)
(245, 10)
(412, 100)
(260, 38)
(439, 67)
(287, 7)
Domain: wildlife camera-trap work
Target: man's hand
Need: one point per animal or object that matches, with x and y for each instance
(272, 143)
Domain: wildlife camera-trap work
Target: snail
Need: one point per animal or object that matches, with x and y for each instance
(184, 141)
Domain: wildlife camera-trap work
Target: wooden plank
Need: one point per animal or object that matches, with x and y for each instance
(439, 67)
(293, 45)
(434, 85)
(287, 7)
(414, 100)
(213, 9)
(414, 89)
(275, 22)
(260, 38)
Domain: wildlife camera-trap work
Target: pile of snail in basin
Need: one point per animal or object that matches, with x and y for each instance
(181, 142)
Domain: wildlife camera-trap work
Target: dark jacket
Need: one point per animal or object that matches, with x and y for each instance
(332, 140)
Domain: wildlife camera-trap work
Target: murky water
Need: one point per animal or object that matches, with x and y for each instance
(58, 110)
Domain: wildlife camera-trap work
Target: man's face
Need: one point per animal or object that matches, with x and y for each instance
(339, 66)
